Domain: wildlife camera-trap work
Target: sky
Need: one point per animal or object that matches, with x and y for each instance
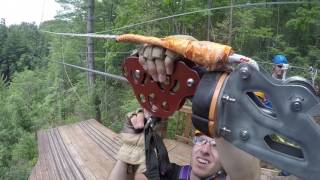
(17, 11)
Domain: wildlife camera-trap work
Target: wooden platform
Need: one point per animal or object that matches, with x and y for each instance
(86, 150)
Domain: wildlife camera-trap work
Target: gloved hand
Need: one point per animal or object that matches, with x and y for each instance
(159, 62)
(132, 150)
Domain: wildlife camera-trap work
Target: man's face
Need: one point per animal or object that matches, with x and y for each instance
(278, 71)
(205, 158)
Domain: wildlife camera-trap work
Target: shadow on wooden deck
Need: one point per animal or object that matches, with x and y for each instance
(86, 150)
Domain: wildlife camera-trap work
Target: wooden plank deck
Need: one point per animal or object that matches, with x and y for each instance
(86, 150)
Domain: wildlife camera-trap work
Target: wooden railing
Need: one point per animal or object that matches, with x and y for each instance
(187, 126)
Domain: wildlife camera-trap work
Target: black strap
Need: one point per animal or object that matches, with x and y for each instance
(157, 160)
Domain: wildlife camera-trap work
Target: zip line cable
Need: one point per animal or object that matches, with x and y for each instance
(207, 10)
(101, 52)
(123, 79)
(106, 36)
(314, 72)
(65, 70)
(114, 37)
(290, 66)
(119, 78)
(98, 35)
(109, 75)
(42, 11)
(69, 80)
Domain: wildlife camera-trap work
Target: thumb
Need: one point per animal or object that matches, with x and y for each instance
(139, 121)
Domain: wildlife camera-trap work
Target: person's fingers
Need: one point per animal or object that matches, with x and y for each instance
(152, 69)
(146, 113)
(142, 59)
(160, 70)
(136, 122)
(158, 52)
(143, 62)
(147, 53)
(169, 61)
(133, 120)
(158, 55)
(169, 65)
(140, 121)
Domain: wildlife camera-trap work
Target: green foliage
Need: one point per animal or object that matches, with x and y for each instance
(22, 49)
(38, 93)
(175, 124)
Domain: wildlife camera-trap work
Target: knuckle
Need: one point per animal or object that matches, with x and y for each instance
(168, 61)
(158, 52)
(152, 70)
(133, 120)
(142, 60)
(141, 50)
(147, 52)
(172, 55)
(160, 66)
(161, 70)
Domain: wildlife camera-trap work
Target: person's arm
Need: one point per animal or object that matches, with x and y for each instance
(119, 172)
(132, 150)
(238, 164)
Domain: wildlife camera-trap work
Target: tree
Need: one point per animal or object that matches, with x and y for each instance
(22, 49)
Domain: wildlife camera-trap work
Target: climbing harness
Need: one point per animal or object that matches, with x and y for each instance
(157, 160)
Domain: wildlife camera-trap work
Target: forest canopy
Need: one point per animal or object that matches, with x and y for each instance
(37, 93)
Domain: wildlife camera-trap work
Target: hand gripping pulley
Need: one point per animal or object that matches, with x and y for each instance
(161, 99)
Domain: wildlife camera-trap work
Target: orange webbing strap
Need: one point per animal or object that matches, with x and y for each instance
(135, 38)
(213, 107)
(205, 53)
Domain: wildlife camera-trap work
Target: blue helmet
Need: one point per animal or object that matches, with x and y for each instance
(279, 59)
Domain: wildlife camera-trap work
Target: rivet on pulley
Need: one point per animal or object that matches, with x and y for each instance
(190, 82)
(137, 74)
(296, 104)
(244, 72)
(228, 98)
(244, 135)
(224, 131)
